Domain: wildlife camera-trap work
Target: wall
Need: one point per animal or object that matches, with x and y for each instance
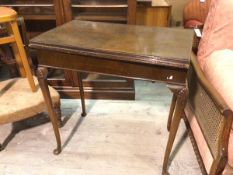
(177, 11)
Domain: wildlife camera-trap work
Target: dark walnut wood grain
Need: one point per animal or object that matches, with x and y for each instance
(137, 52)
(136, 44)
(124, 69)
(148, 53)
(98, 86)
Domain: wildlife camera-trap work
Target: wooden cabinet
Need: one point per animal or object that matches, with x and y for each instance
(121, 11)
(42, 15)
(153, 13)
(112, 11)
(39, 16)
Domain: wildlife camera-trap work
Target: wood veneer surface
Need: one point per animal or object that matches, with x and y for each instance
(161, 46)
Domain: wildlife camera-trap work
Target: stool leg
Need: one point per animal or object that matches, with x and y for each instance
(13, 29)
(18, 60)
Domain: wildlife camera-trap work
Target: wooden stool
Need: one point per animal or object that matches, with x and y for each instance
(9, 18)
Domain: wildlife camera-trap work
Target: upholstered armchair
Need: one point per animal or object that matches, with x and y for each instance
(208, 103)
(194, 16)
(195, 13)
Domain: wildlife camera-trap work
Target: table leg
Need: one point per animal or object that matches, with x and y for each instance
(80, 83)
(41, 75)
(57, 109)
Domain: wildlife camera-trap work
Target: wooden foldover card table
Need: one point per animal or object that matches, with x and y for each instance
(137, 52)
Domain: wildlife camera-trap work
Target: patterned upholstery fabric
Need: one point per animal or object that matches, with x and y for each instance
(216, 62)
(215, 56)
(13, 108)
(218, 30)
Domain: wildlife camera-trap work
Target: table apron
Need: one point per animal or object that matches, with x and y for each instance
(166, 74)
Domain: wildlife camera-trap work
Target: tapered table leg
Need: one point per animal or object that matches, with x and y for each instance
(80, 82)
(41, 75)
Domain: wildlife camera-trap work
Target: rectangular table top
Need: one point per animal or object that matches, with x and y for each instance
(131, 43)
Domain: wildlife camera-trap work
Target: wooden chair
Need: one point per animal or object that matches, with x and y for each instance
(212, 114)
(22, 98)
(206, 102)
(194, 16)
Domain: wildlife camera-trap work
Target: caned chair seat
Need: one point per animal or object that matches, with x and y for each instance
(7, 14)
(17, 103)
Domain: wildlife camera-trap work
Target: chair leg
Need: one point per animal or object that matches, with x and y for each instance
(80, 82)
(41, 75)
(179, 108)
(171, 112)
(175, 89)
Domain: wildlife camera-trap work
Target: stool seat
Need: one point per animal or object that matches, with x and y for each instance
(17, 103)
(7, 14)
(9, 17)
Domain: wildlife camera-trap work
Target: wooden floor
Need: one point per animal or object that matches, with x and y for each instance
(116, 138)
